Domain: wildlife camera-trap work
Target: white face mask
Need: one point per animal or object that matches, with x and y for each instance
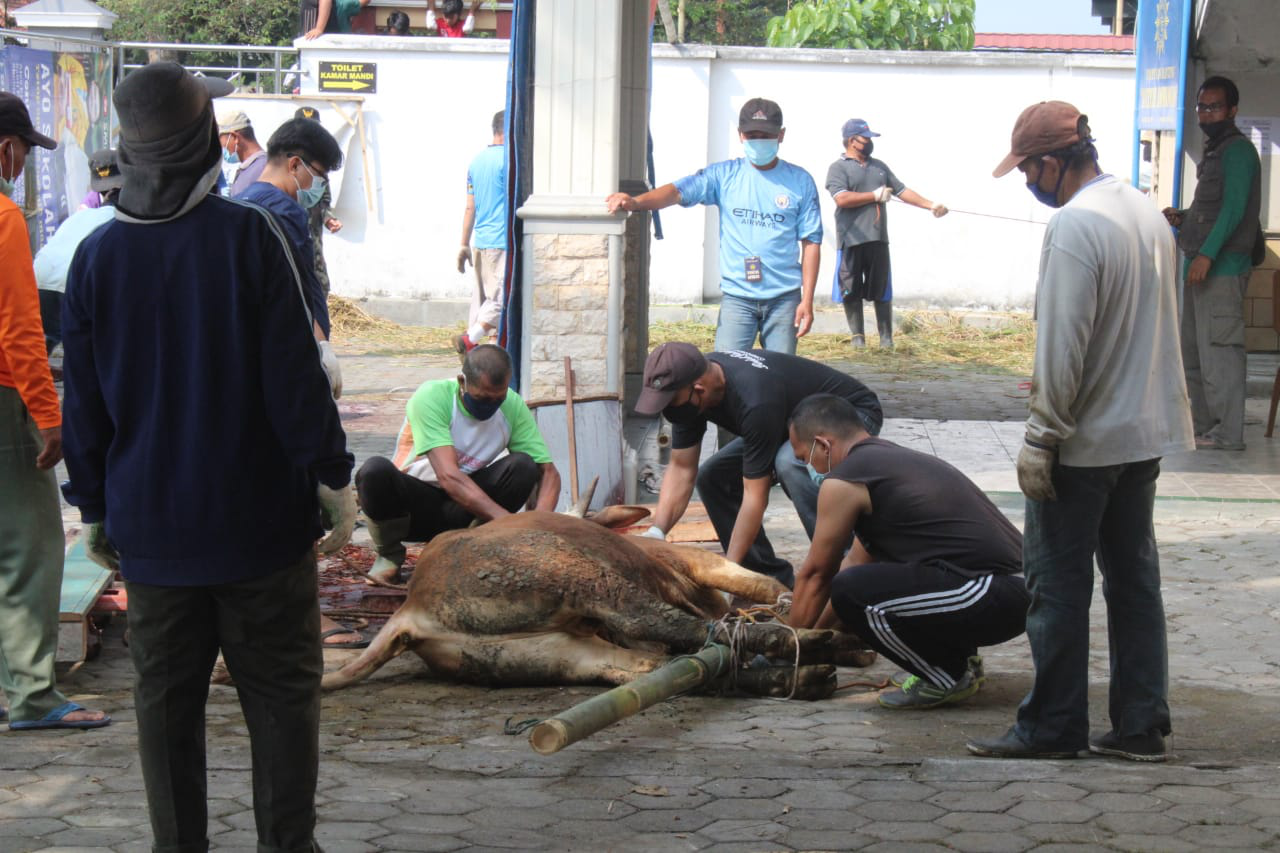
(7, 186)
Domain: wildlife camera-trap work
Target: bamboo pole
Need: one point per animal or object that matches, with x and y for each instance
(573, 444)
(671, 679)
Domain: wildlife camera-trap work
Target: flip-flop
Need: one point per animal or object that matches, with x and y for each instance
(55, 720)
(361, 643)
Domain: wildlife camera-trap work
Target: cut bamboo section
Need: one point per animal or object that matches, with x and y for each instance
(671, 679)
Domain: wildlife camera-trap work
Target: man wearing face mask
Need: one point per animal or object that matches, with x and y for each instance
(300, 156)
(861, 186)
(770, 234)
(469, 450)
(935, 570)
(749, 393)
(241, 150)
(1108, 400)
(1221, 240)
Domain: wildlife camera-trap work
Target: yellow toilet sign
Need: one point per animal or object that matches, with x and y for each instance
(358, 78)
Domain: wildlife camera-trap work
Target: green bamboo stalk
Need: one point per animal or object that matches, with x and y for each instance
(671, 679)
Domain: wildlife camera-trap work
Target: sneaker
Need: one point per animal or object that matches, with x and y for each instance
(1212, 442)
(1148, 746)
(1009, 745)
(916, 693)
(462, 344)
(979, 674)
(859, 342)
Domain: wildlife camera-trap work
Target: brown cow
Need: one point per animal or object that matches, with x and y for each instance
(545, 598)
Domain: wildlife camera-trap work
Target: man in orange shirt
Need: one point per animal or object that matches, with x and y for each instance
(31, 543)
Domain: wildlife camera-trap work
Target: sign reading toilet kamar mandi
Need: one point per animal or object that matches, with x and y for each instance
(353, 77)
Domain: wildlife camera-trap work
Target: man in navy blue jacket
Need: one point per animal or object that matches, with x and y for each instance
(203, 448)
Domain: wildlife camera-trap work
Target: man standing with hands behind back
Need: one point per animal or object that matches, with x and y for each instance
(767, 206)
(1217, 234)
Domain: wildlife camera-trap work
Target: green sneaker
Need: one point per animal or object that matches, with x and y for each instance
(900, 677)
(916, 693)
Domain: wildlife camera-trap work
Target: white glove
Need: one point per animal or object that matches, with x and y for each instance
(464, 258)
(338, 508)
(882, 194)
(1035, 472)
(431, 20)
(329, 361)
(469, 24)
(99, 549)
(655, 532)
(939, 210)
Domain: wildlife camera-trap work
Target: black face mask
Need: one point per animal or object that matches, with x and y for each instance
(1214, 129)
(685, 413)
(867, 148)
(481, 410)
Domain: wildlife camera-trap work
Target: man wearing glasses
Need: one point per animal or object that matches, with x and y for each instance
(750, 393)
(1220, 238)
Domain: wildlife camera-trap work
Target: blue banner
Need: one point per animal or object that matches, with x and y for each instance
(1161, 36)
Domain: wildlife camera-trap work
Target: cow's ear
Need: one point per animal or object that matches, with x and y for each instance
(615, 517)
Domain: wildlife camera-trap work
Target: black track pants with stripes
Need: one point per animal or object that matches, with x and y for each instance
(927, 617)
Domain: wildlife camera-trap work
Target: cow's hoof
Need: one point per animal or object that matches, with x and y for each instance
(848, 649)
(814, 682)
(778, 642)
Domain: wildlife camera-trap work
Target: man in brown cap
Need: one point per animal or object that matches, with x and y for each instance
(1107, 402)
(206, 483)
(31, 537)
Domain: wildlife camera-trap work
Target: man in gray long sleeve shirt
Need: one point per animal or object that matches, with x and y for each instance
(1107, 401)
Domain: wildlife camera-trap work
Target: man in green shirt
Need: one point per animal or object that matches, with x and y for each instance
(469, 450)
(1217, 235)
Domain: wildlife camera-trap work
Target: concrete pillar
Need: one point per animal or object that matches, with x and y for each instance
(590, 111)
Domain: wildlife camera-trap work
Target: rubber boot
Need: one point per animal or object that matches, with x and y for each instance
(388, 541)
(884, 323)
(853, 315)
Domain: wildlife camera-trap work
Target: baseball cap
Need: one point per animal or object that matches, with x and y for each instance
(668, 368)
(307, 112)
(234, 120)
(16, 121)
(856, 127)
(104, 171)
(760, 114)
(1043, 127)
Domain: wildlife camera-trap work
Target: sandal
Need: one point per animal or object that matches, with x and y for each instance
(55, 719)
(361, 643)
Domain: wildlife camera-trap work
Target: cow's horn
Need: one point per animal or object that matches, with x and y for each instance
(579, 509)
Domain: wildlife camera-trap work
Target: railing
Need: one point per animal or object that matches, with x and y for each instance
(262, 68)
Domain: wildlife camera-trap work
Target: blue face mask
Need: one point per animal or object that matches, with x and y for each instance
(481, 410)
(760, 152)
(1048, 197)
(311, 196)
(230, 157)
(814, 474)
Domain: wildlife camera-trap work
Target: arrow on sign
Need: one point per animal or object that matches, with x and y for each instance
(348, 84)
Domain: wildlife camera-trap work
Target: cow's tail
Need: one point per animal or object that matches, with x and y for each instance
(395, 637)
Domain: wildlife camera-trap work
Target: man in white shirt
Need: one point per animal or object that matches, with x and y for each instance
(1108, 401)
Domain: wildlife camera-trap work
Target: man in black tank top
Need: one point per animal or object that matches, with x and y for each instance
(935, 570)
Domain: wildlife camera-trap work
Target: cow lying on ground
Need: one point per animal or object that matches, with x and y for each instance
(544, 598)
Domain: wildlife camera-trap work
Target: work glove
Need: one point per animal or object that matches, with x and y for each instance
(464, 258)
(655, 532)
(883, 194)
(99, 549)
(1035, 472)
(329, 361)
(338, 510)
(939, 210)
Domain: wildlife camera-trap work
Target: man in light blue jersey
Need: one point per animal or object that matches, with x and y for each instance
(767, 207)
(485, 219)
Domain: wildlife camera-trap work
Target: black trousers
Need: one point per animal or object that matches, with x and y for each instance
(268, 630)
(386, 492)
(929, 618)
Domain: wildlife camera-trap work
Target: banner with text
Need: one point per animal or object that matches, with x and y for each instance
(1162, 38)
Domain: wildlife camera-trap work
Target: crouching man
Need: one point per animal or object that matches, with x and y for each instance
(935, 571)
(469, 449)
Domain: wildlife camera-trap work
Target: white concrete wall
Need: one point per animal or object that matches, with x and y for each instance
(946, 120)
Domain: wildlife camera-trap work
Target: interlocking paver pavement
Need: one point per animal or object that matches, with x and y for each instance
(410, 763)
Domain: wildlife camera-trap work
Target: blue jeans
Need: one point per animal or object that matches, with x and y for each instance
(1105, 511)
(742, 319)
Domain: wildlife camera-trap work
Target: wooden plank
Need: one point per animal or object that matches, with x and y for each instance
(82, 583)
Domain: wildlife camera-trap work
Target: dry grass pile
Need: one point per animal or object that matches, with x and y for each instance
(358, 332)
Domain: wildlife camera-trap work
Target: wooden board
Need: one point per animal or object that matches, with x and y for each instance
(82, 584)
(598, 433)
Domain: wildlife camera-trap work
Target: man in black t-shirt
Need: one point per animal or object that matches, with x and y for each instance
(935, 570)
(751, 394)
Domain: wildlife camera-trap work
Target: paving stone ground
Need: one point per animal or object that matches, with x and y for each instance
(411, 763)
